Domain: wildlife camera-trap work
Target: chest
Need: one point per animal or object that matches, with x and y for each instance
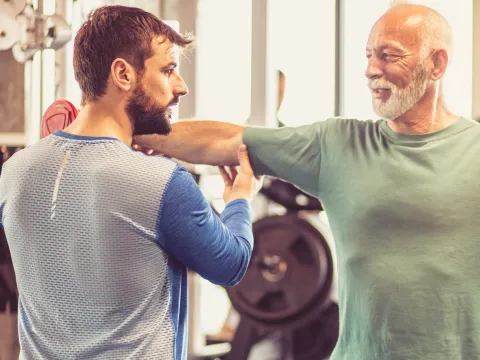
(404, 201)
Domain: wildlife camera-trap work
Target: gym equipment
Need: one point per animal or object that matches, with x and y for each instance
(289, 287)
(8, 286)
(58, 116)
(317, 339)
(313, 341)
(29, 31)
(290, 274)
(289, 196)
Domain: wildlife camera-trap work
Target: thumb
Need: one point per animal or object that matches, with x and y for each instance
(243, 159)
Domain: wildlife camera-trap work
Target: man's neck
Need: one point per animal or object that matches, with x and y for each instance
(427, 116)
(101, 119)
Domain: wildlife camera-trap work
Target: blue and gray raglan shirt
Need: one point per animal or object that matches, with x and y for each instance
(101, 238)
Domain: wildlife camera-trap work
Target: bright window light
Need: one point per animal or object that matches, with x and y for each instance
(223, 56)
(304, 46)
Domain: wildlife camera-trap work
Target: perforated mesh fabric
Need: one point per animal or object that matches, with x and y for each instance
(93, 282)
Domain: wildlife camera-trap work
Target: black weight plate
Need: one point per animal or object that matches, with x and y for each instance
(317, 339)
(299, 279)
(289, 196)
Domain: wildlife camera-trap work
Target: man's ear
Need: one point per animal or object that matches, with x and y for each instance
(440, 63)
(123, 74)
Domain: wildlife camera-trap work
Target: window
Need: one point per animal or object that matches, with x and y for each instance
(304, 50)
(223, 55)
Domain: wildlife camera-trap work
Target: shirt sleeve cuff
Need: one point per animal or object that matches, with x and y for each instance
(252, 137)
(237, 206)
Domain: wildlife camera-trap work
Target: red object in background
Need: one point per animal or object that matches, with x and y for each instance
(57, 117)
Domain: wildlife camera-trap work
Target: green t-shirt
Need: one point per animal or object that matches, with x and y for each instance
(405, 216)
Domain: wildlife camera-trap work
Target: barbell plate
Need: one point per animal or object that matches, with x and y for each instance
(290, 273)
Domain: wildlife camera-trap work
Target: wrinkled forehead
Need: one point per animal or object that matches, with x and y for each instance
(164, 51)
(391, 30)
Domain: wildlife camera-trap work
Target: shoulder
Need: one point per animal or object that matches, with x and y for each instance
(336, 129)
(163, 169)
(21, 158)
(343, 123)
(148, 163)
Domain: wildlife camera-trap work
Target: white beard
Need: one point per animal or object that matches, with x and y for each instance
(401, 100)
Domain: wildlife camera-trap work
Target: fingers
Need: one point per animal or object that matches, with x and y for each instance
(225, 176)
(145, 141)
(233, 172)
(146, 151)
(243, 159)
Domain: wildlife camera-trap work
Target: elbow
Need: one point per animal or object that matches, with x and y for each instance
(226, 282)
(233, 274)
(234, 280)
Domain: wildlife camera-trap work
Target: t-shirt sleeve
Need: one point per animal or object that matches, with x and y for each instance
(290, 153)
(188, 229)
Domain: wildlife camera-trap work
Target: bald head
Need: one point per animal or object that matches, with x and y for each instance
(432, 30)
(408, 52)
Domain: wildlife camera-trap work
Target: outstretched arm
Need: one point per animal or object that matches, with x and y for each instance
(218, 250)
(197, 142)
(290, 153)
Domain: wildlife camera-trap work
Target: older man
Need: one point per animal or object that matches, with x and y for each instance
(401, 194)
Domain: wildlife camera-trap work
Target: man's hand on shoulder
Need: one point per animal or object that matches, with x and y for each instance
(146, 144)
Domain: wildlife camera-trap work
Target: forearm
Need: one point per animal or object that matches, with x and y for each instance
(194, 235)
(201, 142)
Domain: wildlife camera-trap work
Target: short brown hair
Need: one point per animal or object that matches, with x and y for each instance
(112, 32)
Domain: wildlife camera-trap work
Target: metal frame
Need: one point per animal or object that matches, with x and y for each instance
(264, 87)
(33, 107)
(63, 8)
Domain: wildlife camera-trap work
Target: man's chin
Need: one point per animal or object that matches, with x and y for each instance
(382, 113)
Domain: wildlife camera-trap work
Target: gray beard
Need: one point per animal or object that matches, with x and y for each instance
(401, 100)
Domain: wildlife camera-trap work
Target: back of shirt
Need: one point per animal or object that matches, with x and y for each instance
(69, 225)
(83, 219)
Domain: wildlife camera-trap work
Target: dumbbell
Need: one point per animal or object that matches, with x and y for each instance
(58, 116)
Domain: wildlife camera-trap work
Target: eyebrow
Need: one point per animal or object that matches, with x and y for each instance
(387, 47)
(171, 64)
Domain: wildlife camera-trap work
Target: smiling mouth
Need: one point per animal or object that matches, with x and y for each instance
(380, 90)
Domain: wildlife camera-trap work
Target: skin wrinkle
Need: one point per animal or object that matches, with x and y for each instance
(408, 53)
